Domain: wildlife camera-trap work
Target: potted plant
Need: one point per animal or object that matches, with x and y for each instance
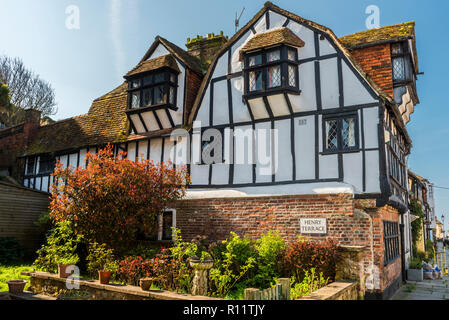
(101, 260)
(145, 283)
(16, 286)
(415, 270)
(63, 262)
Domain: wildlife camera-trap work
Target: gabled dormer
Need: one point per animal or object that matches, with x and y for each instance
(161, 88)
(270, 71)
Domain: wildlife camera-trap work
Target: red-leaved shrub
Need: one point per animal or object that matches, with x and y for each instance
(303, 255)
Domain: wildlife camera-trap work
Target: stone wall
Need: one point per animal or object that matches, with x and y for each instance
(335, 291)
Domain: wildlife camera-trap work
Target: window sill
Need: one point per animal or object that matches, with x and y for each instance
(152, 108)
(326, 153)
(270, 92)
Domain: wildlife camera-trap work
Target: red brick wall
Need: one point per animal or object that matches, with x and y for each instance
(13, 142)
(254, 216)
(376, 62)
(193, 85)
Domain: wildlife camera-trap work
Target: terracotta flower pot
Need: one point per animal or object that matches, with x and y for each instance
(62, 271)
(16, 286)
(104, 276)
(145, 283)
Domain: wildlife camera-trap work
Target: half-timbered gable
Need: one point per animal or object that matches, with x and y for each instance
(291, 75)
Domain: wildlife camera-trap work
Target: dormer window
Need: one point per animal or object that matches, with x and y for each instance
(402, 64)
(271, 63)
(153, 89)
(268, 70)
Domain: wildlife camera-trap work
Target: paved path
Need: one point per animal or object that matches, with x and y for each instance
(424, 290)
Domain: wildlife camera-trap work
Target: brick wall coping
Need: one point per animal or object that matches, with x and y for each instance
(126, 289)
(335, 291)
(192, 195)
(351, 248)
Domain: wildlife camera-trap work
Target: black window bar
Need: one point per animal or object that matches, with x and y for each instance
(391, 241)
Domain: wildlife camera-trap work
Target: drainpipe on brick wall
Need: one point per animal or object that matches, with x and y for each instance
(372, 271)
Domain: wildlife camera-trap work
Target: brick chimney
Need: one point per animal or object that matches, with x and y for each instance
(33, 116)
(205, 48)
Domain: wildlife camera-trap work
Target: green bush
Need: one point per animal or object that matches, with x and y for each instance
(430, 250)
(310, 283)
(232, 261)
(60, 248)
(415, 263)
(100, 259)
(269, 249)
(11, 252)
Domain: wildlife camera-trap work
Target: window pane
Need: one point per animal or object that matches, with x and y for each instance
(274, 76)
(159, 95)
(398, 69)
(292, 76)
(30, 166)
(148, 80)
(255, 60)
(291, 55)
(148, 97)
(331, 135)
(172, 95)
(273, 56)
(255, 80)
(135, 100)
(159, 77)
(348, 132)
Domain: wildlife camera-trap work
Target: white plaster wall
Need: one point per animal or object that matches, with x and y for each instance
(221, 68)
(285, 160)
(220, 174)
(243, 172)
(328, 166)
(258, 108)
(305, 148)
(143, 146)
(261, 25)
(352, 170)
(236, 64)
(155, 150)
(203, 112)
(132, 151)
(354, 91)
(158, 52)
(372, 171)
(63, 160)
(306, 35)
(150, 121)
(329, 83)
(38, 183)
(74, 160)
(45, 184)
(276, 20)
(83, 158)
(263, 151)
(371, 122)
(137, 123)
(163, 118)
(169, 150)
(325, 47)
(220, 103)
(306, 101)
(239, 109)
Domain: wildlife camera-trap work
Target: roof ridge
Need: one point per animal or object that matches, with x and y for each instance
(64, 120)
(374, 29)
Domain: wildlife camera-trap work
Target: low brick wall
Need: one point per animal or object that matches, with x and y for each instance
(51, 285)
(336, 291)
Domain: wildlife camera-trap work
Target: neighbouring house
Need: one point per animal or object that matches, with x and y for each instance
(328, 115)
(439, 234)
(422, 190)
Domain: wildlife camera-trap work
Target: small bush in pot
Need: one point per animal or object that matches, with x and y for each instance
(65, 261)
(101, 260)
(415, 270)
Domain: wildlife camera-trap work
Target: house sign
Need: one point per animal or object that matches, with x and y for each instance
(314, 226)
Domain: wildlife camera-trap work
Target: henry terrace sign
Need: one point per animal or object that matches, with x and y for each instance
(314, 226)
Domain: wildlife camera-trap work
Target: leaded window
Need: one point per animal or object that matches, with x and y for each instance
(401, 63)
(269, 70)
(340, 133)
(391, 241)
(46, 164)
(156, 88)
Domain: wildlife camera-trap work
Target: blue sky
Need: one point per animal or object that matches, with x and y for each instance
(114, 34)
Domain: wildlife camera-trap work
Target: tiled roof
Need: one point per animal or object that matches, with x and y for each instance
(268, 39)
(153, 64)
(105, 122)
(396, 32)
(377, 35)
(190, 61)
